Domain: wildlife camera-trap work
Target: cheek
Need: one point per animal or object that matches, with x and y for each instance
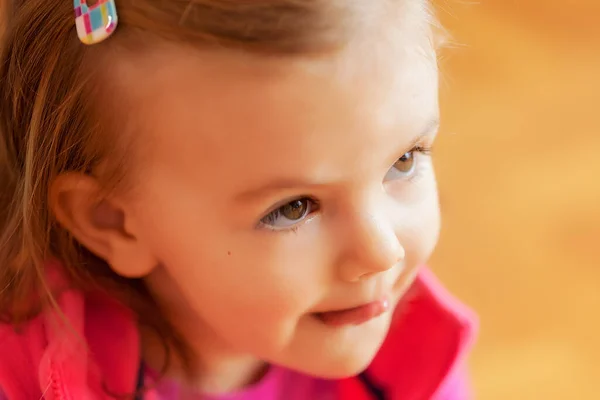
(239, 297)
(421, 224)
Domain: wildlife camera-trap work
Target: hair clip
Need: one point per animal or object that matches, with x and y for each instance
(96, 22)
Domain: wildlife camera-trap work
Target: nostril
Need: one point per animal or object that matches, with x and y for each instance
(366, 276)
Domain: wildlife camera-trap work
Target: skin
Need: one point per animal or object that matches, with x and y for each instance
(223, 139)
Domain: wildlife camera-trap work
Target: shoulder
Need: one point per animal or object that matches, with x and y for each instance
(22, 349)
(92, 341)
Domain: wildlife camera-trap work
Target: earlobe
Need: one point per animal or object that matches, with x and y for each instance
(99, 224)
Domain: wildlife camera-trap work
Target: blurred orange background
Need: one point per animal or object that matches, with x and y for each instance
(518, 162)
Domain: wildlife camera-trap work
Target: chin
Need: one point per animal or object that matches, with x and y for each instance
(346, 369)
(340, 367)
(340, 352)
(345, 358)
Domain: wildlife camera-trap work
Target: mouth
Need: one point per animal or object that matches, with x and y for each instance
(355, 315)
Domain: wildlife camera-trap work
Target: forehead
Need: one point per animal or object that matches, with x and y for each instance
(231, 113)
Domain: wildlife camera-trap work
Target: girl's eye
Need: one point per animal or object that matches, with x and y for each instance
(289, 214)
(403, 167)
(406, 165)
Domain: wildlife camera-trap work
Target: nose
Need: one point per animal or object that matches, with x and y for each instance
(371, 246)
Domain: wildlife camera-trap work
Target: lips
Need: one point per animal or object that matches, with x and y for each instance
(356, 315)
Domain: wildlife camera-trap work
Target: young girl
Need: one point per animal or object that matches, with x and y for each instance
(222, 199)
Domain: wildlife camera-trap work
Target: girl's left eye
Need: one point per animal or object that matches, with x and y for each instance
(290, 214)
(406, 165)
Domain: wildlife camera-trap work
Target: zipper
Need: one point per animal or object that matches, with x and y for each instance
(377, 392)
(139, 388)
(58, 392)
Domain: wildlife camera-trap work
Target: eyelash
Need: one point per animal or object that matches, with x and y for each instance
(315, 206)
(426, 150)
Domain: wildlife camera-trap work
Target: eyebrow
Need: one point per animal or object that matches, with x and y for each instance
(286, 184)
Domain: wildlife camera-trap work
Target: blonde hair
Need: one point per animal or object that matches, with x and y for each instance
(49, 126)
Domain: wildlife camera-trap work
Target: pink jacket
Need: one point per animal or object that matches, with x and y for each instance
(421, 359)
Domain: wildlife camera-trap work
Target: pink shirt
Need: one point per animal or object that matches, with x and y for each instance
(278, 383)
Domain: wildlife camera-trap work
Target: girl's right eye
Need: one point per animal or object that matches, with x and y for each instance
(290, 214)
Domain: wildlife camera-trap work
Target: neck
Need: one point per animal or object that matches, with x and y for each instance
(212, 369)
(211, 365)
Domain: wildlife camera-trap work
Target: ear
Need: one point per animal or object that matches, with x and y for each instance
(100, 224)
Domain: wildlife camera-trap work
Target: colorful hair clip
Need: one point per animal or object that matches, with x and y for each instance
(96, 22)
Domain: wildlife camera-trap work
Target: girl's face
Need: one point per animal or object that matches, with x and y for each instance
(272, 190)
